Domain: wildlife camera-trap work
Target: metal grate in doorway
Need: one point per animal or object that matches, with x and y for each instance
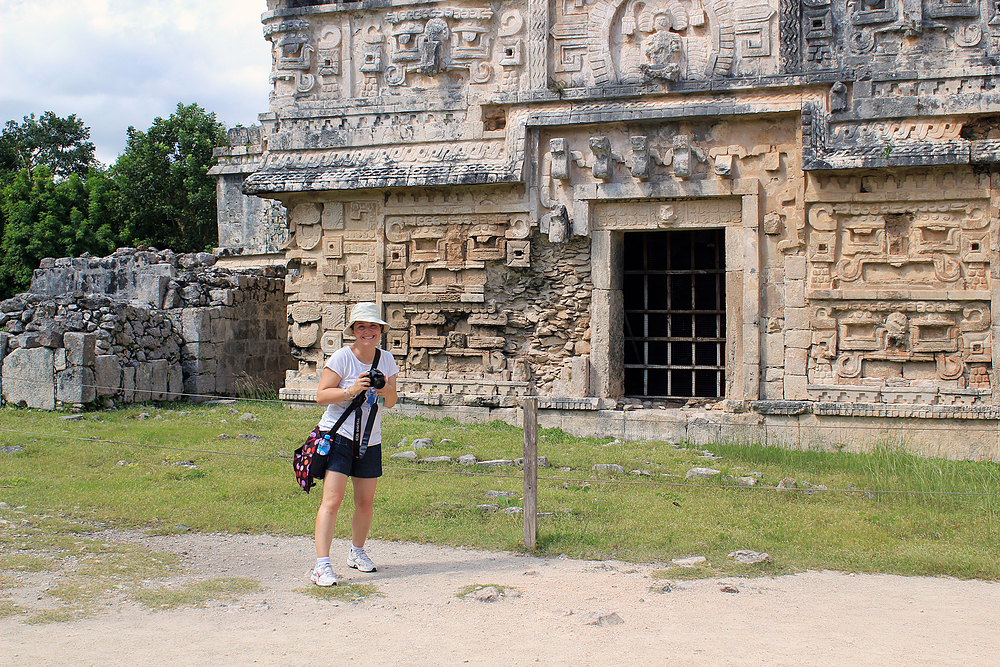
(675, 314)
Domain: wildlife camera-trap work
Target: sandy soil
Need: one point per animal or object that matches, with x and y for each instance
(814, 618)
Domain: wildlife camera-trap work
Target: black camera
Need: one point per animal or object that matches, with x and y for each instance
(377, 378)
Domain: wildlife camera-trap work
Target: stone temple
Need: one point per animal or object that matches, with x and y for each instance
(769, 218)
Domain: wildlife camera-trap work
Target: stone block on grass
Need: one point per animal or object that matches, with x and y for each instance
(28, 379)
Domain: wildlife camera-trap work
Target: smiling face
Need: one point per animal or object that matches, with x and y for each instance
(367, 333)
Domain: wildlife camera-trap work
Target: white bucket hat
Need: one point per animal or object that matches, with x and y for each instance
(365, 311)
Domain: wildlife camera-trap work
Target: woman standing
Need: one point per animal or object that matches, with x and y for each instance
(344, 378)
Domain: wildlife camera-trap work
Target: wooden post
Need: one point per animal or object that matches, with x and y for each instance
(530, 418)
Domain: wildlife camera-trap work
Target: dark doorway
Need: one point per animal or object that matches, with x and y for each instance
(675, 314)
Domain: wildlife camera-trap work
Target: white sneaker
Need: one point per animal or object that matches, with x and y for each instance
(323, 575)
(360, 560)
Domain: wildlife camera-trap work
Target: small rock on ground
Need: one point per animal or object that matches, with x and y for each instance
(690, 561)
(748, 557)
(488, 594)
(602, 619)
(702, 473)
(495, 463)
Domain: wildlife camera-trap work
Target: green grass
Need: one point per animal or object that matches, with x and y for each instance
(472, 588)
(196, 594)
(343, 592)
(173, 471)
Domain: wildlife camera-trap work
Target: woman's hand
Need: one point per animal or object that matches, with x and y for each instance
(360, 385)
(329, 390)
(388, 392)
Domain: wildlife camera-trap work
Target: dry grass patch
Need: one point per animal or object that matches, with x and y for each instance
(343, 592)
(196, 594)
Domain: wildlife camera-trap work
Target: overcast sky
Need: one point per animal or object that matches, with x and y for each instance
(116, 63)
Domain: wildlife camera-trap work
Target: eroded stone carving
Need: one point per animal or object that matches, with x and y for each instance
(919, 269)
(666, 41)
(434, 41)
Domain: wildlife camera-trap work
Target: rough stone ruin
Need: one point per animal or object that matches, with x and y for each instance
(784, 207)
(142, 325)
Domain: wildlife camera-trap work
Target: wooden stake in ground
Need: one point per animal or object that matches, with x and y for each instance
(530, 419)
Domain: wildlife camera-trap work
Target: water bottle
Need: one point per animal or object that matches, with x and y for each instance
(324, 446)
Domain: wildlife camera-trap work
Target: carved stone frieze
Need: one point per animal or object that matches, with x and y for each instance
(714, 212)
(911, 247)
(629, 41)
(900, 296)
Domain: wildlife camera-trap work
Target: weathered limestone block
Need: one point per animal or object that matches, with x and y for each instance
(607, 307)
(200, 351)
(175, 382)
(774, 349)
(59, 359)
(799, 338)
(795, 361)
(795, 267)
(79, 348)
(143, 382)
(43, 338)
(3, 353)
(196, 366)
(150, 289)
(196, 325)
(75, 385)
(108, 375)
(199, 387)
(128, 384)
(222, 326)
(221, 297)
(607, 274)
(158, 379)
(28, 378)
(579, 384)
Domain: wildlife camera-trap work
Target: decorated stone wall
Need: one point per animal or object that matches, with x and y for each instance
(480, 169)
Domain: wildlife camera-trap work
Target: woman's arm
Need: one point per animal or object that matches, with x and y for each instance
(329, 390)
(388, 392)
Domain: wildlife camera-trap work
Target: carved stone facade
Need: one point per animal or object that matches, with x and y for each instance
(487, 170)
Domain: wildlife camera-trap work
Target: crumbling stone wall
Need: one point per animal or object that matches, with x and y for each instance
(548, 308)
(141, 325)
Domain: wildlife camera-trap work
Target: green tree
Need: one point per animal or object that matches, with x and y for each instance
(168, 198)
(62, 144)
(49, 218)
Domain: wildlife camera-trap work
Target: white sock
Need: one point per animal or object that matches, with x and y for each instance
(356, 550)
(321, 561)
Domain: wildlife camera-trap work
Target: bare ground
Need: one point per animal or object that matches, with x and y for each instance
(813, 618)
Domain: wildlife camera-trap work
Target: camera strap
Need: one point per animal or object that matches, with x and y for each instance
(360, 441)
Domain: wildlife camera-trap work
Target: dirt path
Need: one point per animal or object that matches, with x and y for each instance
(815, 618)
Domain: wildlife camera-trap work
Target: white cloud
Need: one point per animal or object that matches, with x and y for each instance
(116, 63)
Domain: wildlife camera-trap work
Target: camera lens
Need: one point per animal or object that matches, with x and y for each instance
(377, 378)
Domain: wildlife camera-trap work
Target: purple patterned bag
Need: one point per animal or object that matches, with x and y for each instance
(306, 463)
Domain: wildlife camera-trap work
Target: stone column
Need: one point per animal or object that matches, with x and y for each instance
(607, 310)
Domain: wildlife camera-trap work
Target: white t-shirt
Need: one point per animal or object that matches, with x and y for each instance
(349, 367)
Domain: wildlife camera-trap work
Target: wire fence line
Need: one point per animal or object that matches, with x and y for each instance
(553, 479)
(736, 427)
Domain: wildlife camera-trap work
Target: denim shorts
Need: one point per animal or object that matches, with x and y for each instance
(342, 459)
